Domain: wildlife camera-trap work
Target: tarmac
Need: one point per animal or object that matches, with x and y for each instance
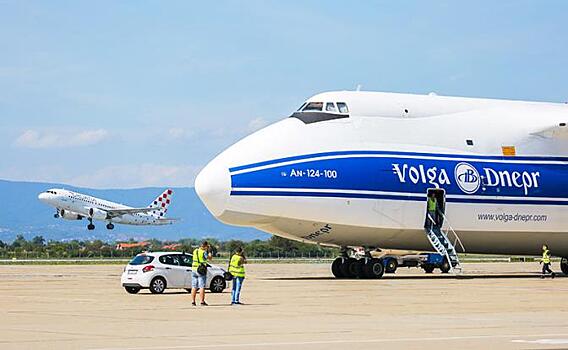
(288, 306)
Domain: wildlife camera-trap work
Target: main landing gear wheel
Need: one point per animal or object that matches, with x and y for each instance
(357, 269)
(110, 226)
(347, 268)
(374, 268)
(336, 268)
(90, 226)
(564, 265)
(343, 267)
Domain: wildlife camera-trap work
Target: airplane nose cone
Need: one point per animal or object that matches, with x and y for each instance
(213, 186)
(42, 197)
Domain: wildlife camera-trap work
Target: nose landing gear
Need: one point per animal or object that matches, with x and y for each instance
(110, 226)
(362, 268)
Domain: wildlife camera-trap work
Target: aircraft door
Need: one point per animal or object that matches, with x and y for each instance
(435, 207)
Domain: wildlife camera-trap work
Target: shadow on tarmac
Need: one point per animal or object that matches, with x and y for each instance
(424, 277)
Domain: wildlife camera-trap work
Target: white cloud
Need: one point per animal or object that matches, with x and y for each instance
(138, 175)
(60, 139)
(179, 133)
(257, 123)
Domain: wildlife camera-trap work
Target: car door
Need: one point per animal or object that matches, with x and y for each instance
(186, 261)
(175, 274)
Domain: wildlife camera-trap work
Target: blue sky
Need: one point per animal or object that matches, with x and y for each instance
(140, 93)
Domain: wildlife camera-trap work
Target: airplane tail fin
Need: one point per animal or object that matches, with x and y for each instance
(161, 203)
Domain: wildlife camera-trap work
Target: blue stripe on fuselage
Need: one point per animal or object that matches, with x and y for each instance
(406, 174)
(398, 153)
(414, 198)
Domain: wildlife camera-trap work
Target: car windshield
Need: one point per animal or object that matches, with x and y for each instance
(141, 260)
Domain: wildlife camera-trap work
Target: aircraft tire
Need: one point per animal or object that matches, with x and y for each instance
(358, 268)
(374, 268)
(391, 266)
(90, 227)
(336, 268)
(346, 269)
(110, 226)
(564, 265)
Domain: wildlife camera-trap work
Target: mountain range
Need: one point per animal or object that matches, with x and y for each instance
(23, 213)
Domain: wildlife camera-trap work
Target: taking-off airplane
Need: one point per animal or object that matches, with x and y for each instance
(77, 206)
(354, 169)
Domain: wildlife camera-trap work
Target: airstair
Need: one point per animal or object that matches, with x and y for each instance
(441, 242)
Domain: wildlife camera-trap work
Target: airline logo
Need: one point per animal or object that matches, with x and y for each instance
(467, 177)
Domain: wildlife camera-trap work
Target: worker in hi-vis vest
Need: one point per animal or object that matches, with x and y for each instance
(200, 257)
(545, 261)
(432, 206)
(237, 269)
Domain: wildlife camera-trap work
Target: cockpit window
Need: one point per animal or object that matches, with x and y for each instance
(330, 107)
(302, 106)
(313, 106)
(50, 191)
(342, 107)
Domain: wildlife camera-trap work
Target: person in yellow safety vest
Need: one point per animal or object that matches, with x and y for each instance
(545, 261)
(200, 256)
(237, 269)
(432, 206)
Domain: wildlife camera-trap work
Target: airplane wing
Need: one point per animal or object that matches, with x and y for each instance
(559, 131)
(167, 221)
(119, 212)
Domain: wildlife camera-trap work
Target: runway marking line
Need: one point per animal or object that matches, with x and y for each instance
(344, 341)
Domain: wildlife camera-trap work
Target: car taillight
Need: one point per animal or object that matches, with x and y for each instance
(148, 268)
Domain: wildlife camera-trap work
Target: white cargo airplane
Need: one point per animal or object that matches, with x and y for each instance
(76, 206)
(354, 169)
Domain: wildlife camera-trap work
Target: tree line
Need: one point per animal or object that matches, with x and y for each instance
(39, 248)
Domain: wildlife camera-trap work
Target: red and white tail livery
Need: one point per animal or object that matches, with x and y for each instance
(161, 204)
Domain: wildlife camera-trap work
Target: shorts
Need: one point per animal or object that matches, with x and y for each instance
(197, 281)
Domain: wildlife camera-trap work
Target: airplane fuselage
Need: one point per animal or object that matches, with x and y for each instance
(360, 178)
(76, 206)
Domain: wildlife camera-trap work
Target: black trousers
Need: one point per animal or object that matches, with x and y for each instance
(546, 268)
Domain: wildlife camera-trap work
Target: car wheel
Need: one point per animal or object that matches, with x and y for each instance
(428, 268)
(391, 266)
(217, 284)
(158, 285)
(132, 290)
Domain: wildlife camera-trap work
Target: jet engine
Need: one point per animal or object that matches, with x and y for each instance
(97, 214)
(70, 215)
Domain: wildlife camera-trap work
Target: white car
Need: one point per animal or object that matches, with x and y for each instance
(160, 270)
